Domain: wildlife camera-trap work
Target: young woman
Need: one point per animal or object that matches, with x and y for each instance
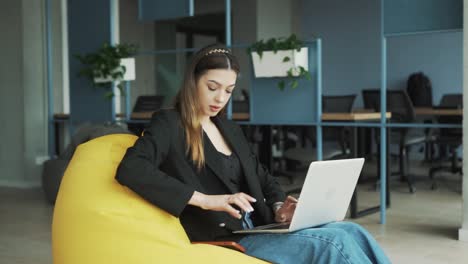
(198, 166)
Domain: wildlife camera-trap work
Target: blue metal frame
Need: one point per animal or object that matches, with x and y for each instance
(191, 7)
(319, 101)
(228, 44)
(112, 41)
(50, 87)
(127, 100)
(171, 51)
(140, 10)
(383, 132)
(423, 32)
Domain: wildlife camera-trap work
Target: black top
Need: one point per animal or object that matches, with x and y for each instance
(231, 167)
(233, 170)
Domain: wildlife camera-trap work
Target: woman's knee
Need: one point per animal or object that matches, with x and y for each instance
(335, 235)
(349, 227)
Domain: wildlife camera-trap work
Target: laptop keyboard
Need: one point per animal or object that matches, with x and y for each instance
(284, 225)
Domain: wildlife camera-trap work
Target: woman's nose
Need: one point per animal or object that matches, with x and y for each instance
(220, 97)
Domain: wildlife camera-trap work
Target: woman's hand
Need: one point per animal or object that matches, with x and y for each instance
(286, 211)
(224, 202)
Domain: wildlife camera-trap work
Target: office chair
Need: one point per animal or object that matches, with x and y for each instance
(145, 103)
(419, 89)
(450, 138)
(148, 103)
(401, 107)
(336, 143)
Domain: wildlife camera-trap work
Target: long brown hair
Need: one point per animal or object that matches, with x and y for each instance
(187, 104)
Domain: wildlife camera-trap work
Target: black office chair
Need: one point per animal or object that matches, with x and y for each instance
(335, 139)
(340, 135)
(148, 103)
(448, 138)
(419, 89)
(145, 103)
(401, 107)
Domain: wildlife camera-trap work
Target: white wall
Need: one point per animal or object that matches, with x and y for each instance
(35, 89)
(57, 54)
(11, 94)
(23, 108)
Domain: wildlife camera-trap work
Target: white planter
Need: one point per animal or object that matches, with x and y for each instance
(271, 64)
(129, 75)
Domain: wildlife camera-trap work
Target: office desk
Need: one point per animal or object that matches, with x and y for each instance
(147, 116)
(427, 111)
(136, 119)
(355, 117)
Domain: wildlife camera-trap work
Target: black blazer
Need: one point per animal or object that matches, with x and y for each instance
(159, 169)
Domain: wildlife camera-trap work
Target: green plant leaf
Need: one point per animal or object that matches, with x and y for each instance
(109, 95)
(283, 43)
(281, 85)
(294, 84)
(105, 62)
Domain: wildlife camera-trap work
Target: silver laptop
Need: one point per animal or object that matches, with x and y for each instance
(325, 196)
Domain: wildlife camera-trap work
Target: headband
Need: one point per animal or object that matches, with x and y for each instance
(214, 51)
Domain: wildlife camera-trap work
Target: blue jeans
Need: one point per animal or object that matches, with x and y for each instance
(339, 242)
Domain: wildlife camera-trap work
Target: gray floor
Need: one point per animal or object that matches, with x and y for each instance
(420, 228)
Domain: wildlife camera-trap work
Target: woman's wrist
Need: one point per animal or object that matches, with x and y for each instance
(197, 199)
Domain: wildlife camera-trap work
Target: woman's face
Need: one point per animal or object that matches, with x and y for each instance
(215, 87)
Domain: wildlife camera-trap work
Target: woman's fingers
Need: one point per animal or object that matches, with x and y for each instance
(291, 199)
(225, 203)
(248, 197)
(233, 212)
(242, 202)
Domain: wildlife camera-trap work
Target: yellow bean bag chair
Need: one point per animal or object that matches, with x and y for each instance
(96, 220)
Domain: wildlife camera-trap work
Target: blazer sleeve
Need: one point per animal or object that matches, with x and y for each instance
(270, 187)
(139, 169)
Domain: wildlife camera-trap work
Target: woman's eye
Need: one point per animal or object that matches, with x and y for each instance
(227, 91)
(212, 88)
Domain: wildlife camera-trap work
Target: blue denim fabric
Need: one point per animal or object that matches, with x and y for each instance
(246, 221)
(339, 242)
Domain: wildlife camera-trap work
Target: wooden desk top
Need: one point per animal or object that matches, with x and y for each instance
(437, 111)
(147, 116)
(354, 116)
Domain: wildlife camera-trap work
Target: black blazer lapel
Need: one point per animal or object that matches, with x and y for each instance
(214, 162)
(243, 152)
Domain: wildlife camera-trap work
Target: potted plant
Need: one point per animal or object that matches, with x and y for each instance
(281, 57)
(109, 64)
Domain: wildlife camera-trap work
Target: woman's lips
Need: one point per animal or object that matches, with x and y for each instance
(214, 108)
